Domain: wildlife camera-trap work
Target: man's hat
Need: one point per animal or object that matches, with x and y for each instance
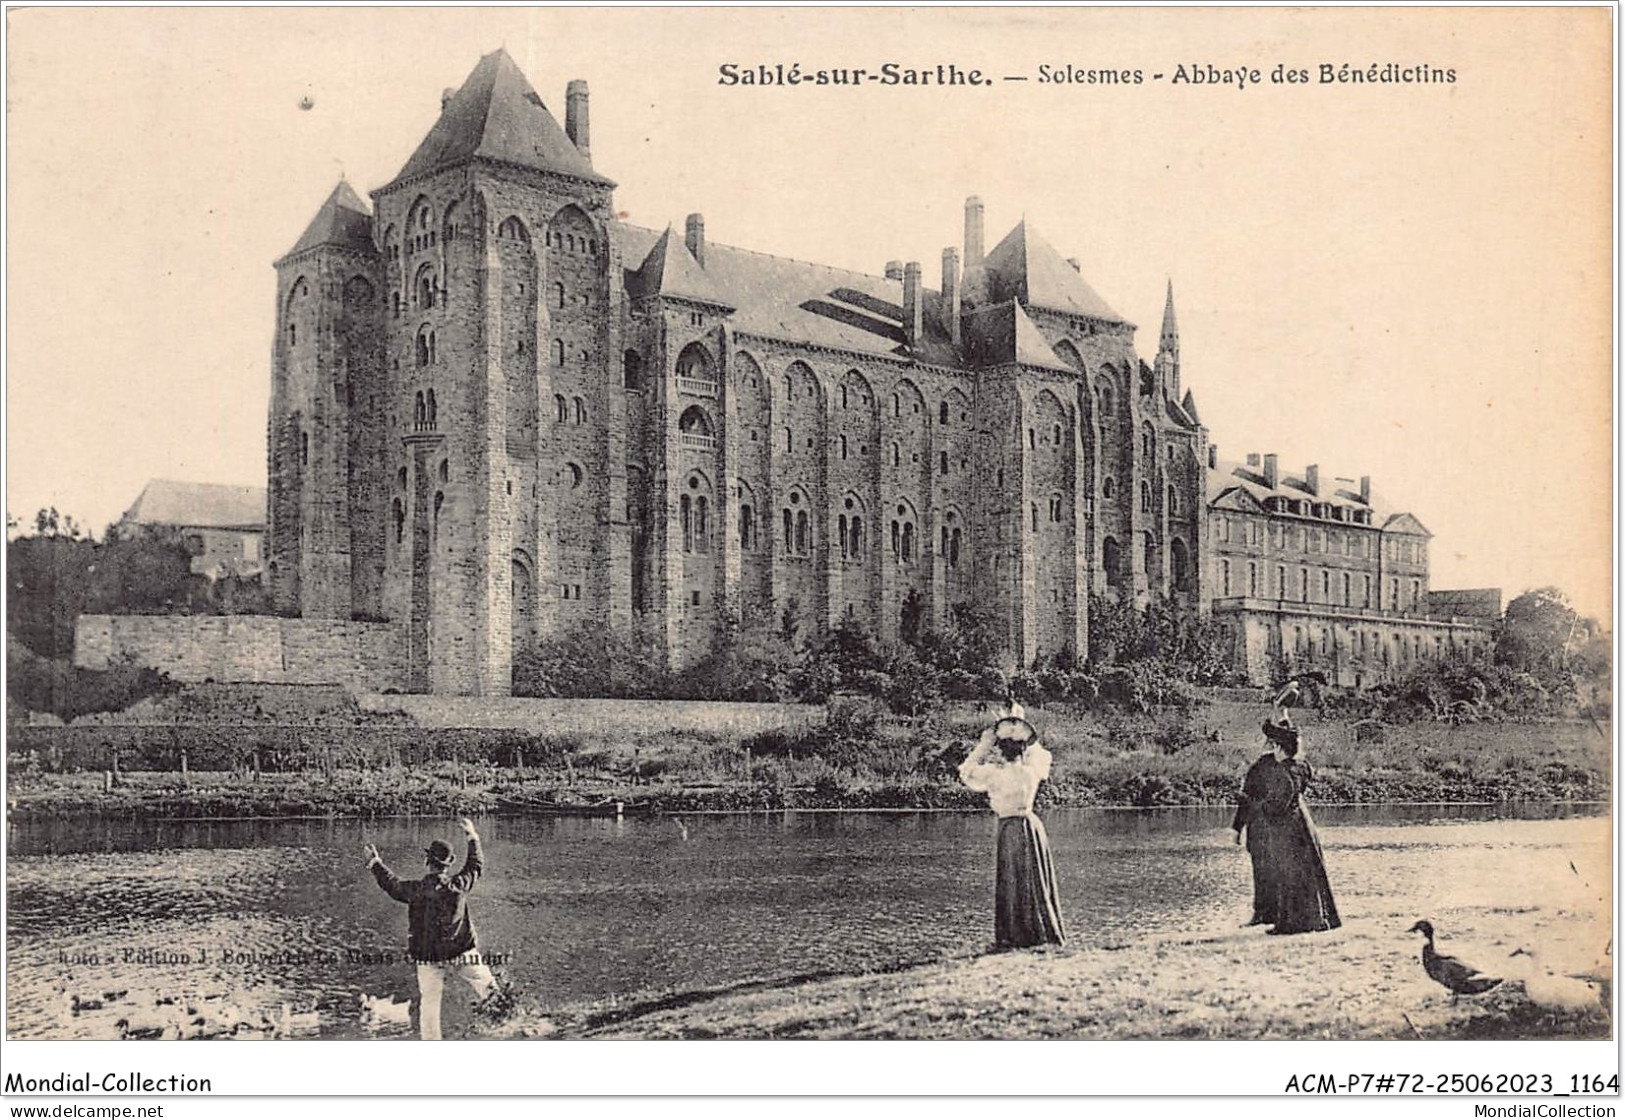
(439, 853)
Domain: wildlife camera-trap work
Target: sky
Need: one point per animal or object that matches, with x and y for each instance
(1410, 281)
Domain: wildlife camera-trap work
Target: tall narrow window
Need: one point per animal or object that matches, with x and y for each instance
(942, 462)
(1035, 516)
(558, 351)
(803, 533)
(434, 413)
(685, 513)
(562, 407)
(942, 413)
(789, 540)
(857, 537)
(558, 295)
(1252, 578)
(908, 542)
(581, 411)
(953, 550)
(747, 528)
(896, 539)
(1224, 575)
(702, 533)
(841, 528)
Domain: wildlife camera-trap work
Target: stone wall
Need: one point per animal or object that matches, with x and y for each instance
(364, 656)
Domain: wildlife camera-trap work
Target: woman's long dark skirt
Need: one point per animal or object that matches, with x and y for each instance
(1304, 902)
(1027, 909)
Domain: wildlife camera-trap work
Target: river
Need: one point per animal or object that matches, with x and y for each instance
(279, 920)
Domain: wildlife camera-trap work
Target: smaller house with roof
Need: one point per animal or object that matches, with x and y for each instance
(223, 527)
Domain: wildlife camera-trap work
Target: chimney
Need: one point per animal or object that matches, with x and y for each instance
(575, 117)
(1252, 459)
(1311, 478)
(950, 291)
(1073, 261)
(913, 306)
(1365, 488)
(894, 270)
(973, 231)
(445, 97)
(694, 237)
(1272, 471)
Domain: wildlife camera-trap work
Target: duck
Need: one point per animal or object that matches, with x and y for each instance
(1460, 977)
(1549, 990)
(300, 1022)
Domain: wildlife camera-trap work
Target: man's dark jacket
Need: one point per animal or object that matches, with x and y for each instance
(437, 907)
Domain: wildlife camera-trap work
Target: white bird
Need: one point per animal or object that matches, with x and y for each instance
(379, 1011)
(1549, 990)
(301, 1021)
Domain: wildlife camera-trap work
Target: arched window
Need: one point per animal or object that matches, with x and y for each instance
(702, 531)
(562, 407)
(420, 412)
(1148, 443)
(896, 405)
(293, 334)
(1035, 516)
(558, 351)
(423, 348)
(512, 229)
(1145, 496)
(1181, 565)
(1224, 577)
(1173, 501)
(1032, 440)
(942, 413)
(908, 542)
(686, 516)
(843, 438)
(1108, 488)
(1055, 436)
(953, 549)
(788, 541)
(843, 396)
(789, 439)
(1105, 400)
(803, 534)
(426, 288)
(558, 295)
(896, 453)
(942, 462)
(840, 528)
(304, 448)
(632, 370)
(434, 417)
(857, 536)
(1111, 556)
(581, 410)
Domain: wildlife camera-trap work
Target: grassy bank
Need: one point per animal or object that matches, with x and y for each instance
(853, 759)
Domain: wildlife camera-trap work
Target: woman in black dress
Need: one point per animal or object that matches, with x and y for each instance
(1290, 889)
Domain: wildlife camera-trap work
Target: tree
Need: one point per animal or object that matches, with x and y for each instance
(1537, 631)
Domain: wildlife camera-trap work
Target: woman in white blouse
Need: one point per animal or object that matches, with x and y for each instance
(1007, 764)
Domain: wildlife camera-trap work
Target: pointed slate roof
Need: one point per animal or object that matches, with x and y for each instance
(1003, 334)
(1170, 325)
(1026, 267)
(343, 220)
(496, 115)
(671, 270)
(1189, 406)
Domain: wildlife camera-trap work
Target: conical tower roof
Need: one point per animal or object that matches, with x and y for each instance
(1170, 325)
(496, 115)
(343, 221)
(1026, 267)
(671, 270)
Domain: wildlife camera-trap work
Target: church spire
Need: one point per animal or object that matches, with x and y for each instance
(1168, 349)
(1170, 326)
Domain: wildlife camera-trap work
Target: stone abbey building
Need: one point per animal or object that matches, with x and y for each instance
(500, 414)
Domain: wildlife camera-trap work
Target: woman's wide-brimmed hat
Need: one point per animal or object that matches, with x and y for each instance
(1282, 734)
(1013, 734)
